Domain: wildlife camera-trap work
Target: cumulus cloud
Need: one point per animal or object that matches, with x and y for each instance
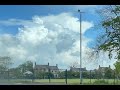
(32, 35)
(53, 38)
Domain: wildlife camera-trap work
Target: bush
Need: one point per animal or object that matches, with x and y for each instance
(100, 82)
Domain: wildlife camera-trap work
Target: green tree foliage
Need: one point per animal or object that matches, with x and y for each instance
(5, 63)
(44, 75)
(110, 40)
(86, 75)
(109, 73)
(71, 74)
(27, 66)
(93, 75)
(40, 75)
(19, 71)
(16, 73)
(61, 74)
(117, 68)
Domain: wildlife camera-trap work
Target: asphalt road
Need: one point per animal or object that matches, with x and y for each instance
(32, 84)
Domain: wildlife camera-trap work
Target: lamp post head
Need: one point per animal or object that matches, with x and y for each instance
(78, 10)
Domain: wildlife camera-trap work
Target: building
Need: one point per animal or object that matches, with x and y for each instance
(47, 68)
(77, 69)
(102, 69)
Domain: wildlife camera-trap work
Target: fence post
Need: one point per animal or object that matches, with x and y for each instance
(33, 77)
(114, 77)
(8, 74)
(33, 74)
(49, 75)
(66, 76)
(90, 76)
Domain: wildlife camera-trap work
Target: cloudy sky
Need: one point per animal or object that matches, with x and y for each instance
(46, 33)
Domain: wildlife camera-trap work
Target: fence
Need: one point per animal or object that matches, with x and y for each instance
(54, 77)
(63, 76)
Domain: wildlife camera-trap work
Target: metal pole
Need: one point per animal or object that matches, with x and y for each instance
(66, 76)
(114, 77)
(80, 49)
(33, 75)
(49, 75)
(8, 74)
(90, 76)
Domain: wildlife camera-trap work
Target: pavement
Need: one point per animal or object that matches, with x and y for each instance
(32, 84)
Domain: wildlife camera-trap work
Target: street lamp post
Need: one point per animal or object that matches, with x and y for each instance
(80, 48)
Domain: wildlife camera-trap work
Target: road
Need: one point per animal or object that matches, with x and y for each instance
(32, 84)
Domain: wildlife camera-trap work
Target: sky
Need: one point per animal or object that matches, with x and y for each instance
(50, 33)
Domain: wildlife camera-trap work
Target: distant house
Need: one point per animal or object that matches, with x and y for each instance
(94, 71)
(28, 72)
(3, 74)
(102, 69)
(46, 68)
(77, 69)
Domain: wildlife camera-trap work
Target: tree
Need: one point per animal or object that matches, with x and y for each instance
(93, 75)
(16, 73)
(19, 71)
(28, 75)
(86, 74)
(40, 75)
(110, 40)
(62, 74)
(117, 68)
(5, 62)
(109, 73)
(27, 66)
(44, 75)
(74, 64)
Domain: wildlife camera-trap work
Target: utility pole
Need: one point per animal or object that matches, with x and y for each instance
(80, 49)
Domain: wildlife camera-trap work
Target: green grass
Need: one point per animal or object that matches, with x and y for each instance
(62, 81)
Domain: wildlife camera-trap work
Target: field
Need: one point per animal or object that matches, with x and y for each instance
(59, 81)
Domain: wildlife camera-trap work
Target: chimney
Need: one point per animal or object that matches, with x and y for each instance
(48, 63)
(99, 66)
(35, 63)
(109, 66)
(56, 65)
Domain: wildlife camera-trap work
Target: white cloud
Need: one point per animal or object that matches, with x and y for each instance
(53, 38)
(32, 35)
(12, 51)
(52, 22)
(67, 21)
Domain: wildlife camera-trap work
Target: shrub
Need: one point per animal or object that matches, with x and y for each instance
(100, 82)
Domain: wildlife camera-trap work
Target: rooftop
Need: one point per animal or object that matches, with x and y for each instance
(46, 67)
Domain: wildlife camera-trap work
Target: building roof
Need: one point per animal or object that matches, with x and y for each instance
(77, 69)
(41, 66)
(53, 67)
(28, 72)
(46, 67)
(102, 68)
